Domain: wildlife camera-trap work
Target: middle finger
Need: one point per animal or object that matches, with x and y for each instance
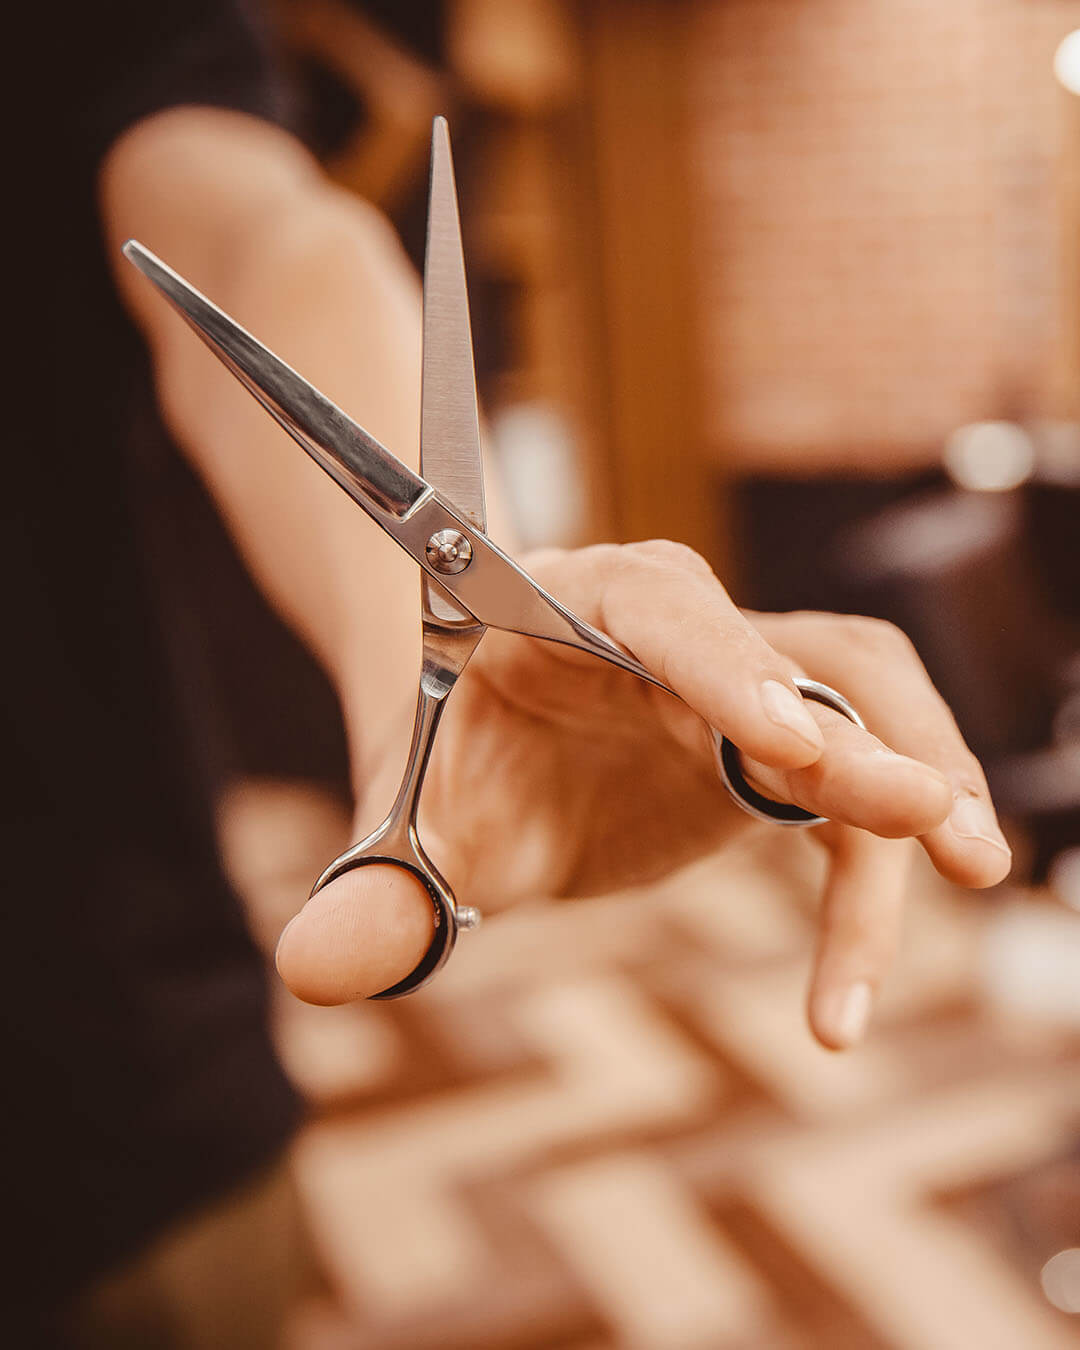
(877, 667)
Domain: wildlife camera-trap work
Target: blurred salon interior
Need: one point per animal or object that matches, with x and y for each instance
(796, 282)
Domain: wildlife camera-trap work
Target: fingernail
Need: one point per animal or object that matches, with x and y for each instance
(973, 818)
(785, 708)
(846, 1014)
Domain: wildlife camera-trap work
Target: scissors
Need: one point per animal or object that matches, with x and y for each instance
(468, 584)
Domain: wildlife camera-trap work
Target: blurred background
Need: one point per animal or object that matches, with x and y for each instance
(796, 282)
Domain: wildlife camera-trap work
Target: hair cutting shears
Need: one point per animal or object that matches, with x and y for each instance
(438, 517)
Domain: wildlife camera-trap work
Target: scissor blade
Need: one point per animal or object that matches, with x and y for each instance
(492, 590)
(374, 478)
(449, 420)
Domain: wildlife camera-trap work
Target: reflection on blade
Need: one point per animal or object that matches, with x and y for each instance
(449, 419)
(492, 591)
(449, 425)
(374, 478)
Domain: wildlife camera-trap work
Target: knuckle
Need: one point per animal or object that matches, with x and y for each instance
(876, 637)
(967, 774)
(547, 563)
(671, 553)
(612, 572)
(603, 557)
(814, 621)
(548, 556)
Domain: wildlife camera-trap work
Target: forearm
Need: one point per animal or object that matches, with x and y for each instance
(241, 210)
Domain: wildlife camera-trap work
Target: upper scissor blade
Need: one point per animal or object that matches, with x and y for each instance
(375, 479)
(449, 421)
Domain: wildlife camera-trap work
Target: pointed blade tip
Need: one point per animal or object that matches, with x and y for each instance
(149, 264)
(440, 138)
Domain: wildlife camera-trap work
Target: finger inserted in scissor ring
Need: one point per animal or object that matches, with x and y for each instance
(754, 803)
(448, 919)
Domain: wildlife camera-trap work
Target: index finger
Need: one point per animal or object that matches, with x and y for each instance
(663, 602)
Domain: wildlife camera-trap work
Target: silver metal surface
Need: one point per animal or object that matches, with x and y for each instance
(492, 590)
(397, 843)
(450, 417)
(755, 803)
(448, 552)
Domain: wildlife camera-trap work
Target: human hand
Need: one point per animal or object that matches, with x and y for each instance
(556, 774)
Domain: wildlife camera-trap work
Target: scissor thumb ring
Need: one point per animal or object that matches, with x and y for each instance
(395, 844)
(450, 918)
(755, 803)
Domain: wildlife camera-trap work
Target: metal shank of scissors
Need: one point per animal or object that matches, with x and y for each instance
(469, 583)
(397, 842)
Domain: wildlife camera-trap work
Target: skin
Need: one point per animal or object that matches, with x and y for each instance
(554, 774)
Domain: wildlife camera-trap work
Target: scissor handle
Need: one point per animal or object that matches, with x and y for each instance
(448, 918)
(755, 803)
(398, 833)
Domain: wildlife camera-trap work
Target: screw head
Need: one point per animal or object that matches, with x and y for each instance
(448, 551)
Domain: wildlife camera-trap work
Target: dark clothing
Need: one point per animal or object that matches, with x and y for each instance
(140, 1077)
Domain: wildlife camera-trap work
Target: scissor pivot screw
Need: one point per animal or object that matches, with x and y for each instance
(449, 551)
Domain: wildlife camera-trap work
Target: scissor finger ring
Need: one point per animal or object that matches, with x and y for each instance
(449, 918)
(397, 843)
(757, 804)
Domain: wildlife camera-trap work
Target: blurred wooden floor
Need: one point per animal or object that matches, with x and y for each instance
(606, 1126)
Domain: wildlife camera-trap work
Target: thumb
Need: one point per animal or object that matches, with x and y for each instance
(361, 934)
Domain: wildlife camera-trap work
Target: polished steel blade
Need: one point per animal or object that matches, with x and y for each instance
(493, 588)
(375, 479)
(450, 457)
(449, 420)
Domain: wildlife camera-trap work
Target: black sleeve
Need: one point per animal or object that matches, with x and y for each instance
(144, 1080)
(134, 58)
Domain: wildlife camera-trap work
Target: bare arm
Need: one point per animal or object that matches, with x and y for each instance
(240, 208)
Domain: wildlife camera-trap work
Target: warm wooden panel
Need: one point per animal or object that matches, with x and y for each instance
(876, 251)
(1068, 73)
(647, 402)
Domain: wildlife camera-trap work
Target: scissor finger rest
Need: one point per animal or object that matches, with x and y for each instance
(755, 803)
